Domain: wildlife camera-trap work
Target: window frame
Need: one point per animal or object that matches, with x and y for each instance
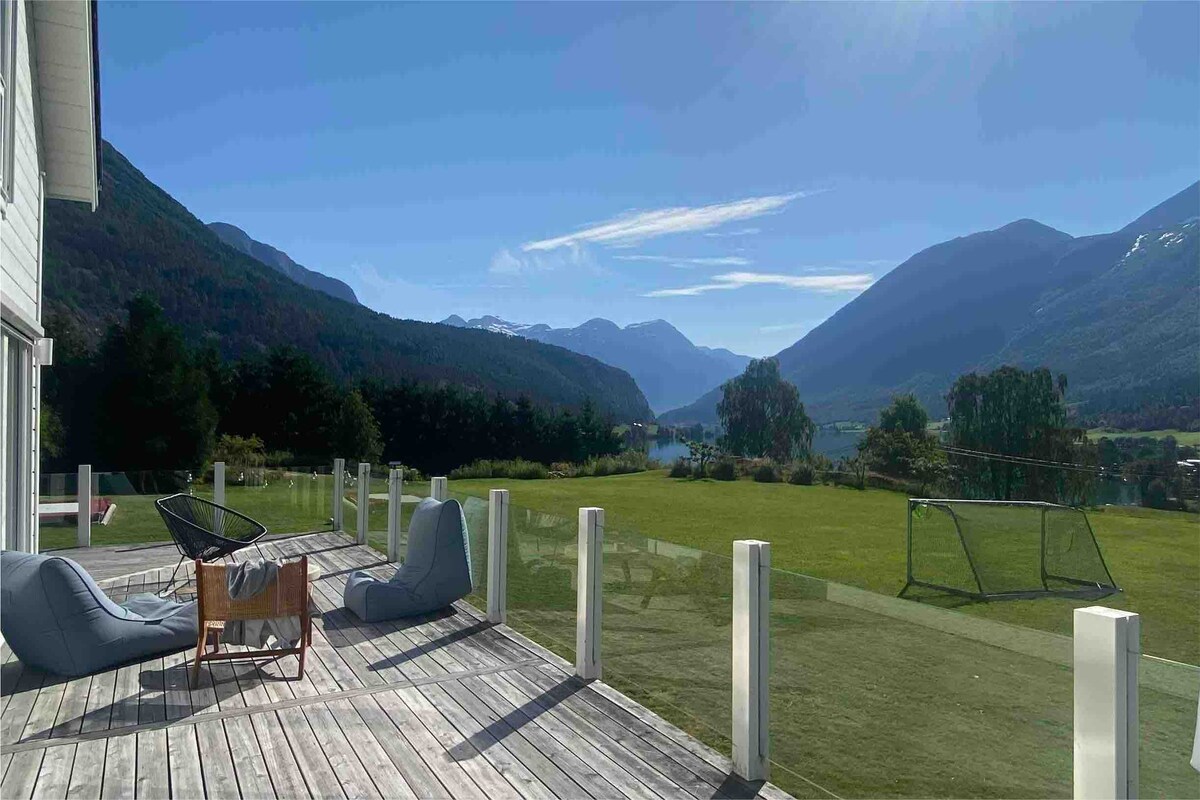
(9, 13)
(16, 387)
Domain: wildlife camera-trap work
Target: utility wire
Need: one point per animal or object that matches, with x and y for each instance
(1108, 472)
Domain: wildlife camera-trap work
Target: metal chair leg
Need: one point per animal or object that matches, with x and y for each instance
(171, 582)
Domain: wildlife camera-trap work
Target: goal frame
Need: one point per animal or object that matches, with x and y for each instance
(1086, 590)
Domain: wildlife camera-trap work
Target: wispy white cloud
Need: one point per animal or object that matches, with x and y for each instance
(737, 232)
(507, 263)
(642, 225)
(823, 284)
(717, 261)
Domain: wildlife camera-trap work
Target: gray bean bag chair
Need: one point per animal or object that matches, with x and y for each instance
(56, 618)
(435, 573)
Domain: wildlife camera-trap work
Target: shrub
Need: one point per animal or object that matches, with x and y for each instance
(411, 474)
(766, 473)
(517, 469)
(680, 469)
(725, 470)
(279, 458)
(803, 474)
(622, 464)
(520, 469)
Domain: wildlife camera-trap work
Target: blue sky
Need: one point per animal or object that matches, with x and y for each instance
(741, 171)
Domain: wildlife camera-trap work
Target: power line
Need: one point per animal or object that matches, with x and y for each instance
(1106, 472)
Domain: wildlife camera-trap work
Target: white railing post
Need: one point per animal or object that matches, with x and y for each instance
(395, 499)
(587, 616)
(83, 491)
(364, 499)
(339, 490)
(219, 483)
(438, 489)
(751, 658)
(1107, 648)
(497, 576)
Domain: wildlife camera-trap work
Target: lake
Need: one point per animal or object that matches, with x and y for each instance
(827, 441)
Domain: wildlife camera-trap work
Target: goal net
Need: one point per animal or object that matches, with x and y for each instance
(1004, 549)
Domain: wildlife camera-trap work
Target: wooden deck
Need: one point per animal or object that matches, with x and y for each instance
(443, 706)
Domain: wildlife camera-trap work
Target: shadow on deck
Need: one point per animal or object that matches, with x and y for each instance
(444, 705)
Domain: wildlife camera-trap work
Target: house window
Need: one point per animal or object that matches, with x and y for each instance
(16, 368)
(8, 63)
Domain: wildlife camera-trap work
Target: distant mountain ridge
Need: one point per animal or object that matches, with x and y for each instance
(1115, 312)
(238, 239)
(668, 368)
(140, 239)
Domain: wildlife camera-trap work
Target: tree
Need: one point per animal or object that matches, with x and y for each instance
(354, 430)
(701, 454)
(152, 396)
(1008, 419)
(905, 414)
(900, 440)
(762, 415)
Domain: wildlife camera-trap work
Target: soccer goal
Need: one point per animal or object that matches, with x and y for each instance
(1000, 549)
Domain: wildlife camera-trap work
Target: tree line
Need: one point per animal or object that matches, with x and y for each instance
(1009, 436)
(146, 400)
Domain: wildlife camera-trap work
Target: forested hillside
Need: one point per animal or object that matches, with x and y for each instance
(280, 261)
(141, 239)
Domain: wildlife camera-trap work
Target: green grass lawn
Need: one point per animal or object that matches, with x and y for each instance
(1191, 438)
(863, 704)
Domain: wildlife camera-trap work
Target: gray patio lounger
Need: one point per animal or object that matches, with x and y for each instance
(56, 618)
(435, 573)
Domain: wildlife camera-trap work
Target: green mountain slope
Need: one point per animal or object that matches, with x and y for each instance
(141, 239)
(280, 261)
(1122, 327)
(1132, 331)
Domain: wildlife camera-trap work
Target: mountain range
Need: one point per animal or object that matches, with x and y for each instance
(668, 368)
(140, 239)
(1116, 313)
(280, 261)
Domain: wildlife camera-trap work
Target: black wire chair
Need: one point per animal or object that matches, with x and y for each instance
(206, 531)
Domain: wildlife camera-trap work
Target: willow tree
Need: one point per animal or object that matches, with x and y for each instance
(1013, 423)
(762, 415)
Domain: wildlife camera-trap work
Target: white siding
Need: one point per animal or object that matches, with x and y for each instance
(20, 262)
(20, 227)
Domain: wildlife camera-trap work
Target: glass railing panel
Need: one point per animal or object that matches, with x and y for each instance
(126, 512)
(475, 511)
(284, 499)
(377, 509)
(666, 631)
(350, 498)
(58, 508)
(542, 572)
(875, 696)
(414, 492)
(1167, 725)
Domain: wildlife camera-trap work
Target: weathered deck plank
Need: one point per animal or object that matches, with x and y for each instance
(444, 706)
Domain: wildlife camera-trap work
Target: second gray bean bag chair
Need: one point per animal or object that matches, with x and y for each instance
(435, 573)
(56, 618)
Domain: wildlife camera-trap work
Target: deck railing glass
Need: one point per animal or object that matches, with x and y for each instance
(294, 499)
(870, 695)
(284, 499)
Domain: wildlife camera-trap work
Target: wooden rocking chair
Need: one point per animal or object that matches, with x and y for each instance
(287, 596)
